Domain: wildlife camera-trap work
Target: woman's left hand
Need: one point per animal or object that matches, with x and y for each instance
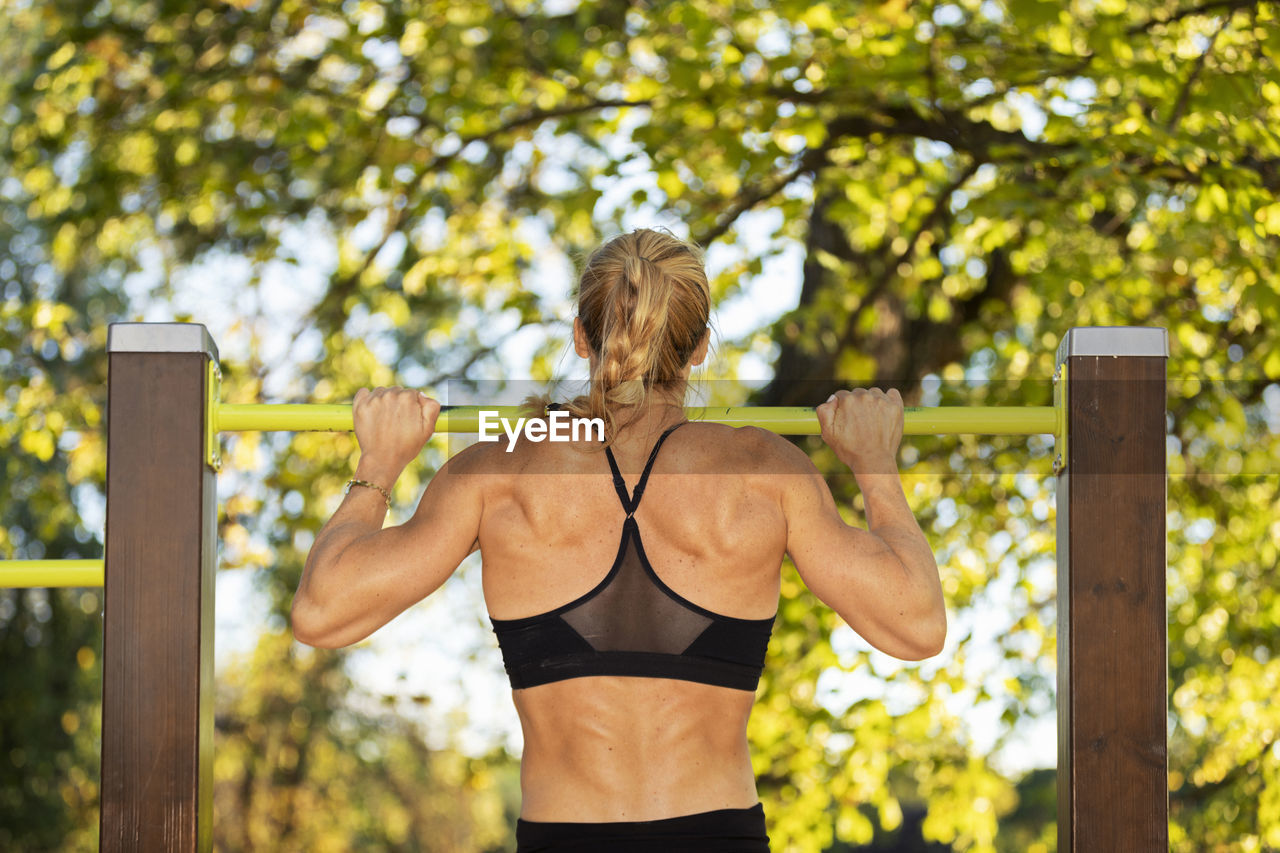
(392, 425)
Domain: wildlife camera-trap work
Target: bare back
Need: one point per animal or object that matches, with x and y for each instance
(609, 748)
(722, 507)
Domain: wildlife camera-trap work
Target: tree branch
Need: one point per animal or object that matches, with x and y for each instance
(1200, 793)
(1184, 96)
(1192, 11)
(810, 161)
(339, 290)
(891, 266)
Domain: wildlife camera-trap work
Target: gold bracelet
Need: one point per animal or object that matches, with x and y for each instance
(386, 496)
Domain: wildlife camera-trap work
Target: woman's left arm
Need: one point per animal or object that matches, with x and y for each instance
(359, 575)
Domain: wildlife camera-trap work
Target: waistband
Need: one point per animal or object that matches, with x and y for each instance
(719, 831)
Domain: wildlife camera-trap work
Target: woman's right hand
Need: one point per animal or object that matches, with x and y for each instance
(392, 425)
(862, 425)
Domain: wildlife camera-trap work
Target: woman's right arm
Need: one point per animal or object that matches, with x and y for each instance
(883, 581)
(359, 575)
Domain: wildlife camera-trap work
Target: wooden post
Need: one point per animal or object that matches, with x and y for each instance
(157, 670)
(1112, 658)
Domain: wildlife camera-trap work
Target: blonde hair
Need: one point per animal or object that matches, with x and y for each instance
(645, 305)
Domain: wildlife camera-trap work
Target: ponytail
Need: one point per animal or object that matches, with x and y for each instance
(644, 304)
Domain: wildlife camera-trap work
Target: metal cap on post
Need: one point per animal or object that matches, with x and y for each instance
(1112, 658)
(161, 338)
(1115, 341)
(157, 704)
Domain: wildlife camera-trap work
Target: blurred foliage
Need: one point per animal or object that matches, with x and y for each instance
(294, 772)
(964, 181)
(50, 640)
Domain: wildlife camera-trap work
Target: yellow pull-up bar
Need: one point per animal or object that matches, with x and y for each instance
(786, 420)
(797, 420)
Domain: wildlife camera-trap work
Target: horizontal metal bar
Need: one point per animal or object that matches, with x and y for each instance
(979, 420)
(26, 574)
(794, 420)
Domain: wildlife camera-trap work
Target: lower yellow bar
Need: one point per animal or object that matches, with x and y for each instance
(26, 574)
(796, 420)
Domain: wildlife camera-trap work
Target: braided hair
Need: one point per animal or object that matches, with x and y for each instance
(644, 303)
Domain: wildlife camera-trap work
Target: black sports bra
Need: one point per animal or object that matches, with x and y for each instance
(633, 624)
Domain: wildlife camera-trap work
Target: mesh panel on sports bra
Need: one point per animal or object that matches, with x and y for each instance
(633, 624)
(632, 613)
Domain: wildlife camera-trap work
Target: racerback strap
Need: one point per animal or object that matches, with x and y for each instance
(631, 502)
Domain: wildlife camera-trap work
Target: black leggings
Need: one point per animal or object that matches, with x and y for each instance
(721, 831)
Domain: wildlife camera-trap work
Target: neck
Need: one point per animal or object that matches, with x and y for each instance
(664, 408)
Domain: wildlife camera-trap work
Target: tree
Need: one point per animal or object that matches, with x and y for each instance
(965, 181)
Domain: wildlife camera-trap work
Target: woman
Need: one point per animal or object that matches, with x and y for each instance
(632, 591)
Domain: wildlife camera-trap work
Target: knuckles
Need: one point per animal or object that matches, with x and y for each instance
(384, 398)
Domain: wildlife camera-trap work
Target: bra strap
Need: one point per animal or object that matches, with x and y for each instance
(631, 502)
(619, 484)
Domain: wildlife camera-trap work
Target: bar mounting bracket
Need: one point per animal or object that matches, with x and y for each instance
(1060, 412)
(213, 395)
